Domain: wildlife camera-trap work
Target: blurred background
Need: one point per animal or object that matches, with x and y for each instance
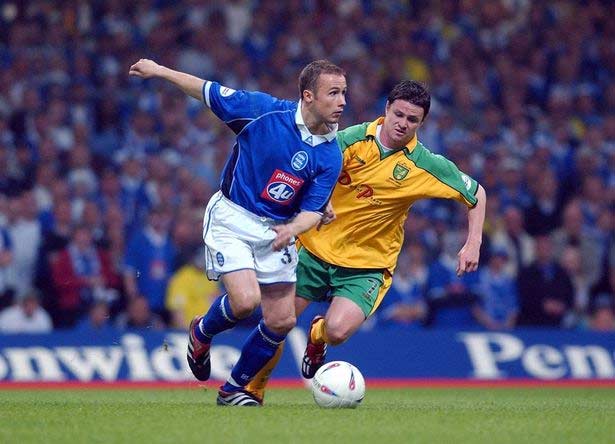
(104, 178)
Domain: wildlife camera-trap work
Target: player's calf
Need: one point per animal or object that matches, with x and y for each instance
(315, 352)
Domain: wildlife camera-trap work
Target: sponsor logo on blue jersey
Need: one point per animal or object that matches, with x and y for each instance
(299, 160)
(280, 192)
(282, 187)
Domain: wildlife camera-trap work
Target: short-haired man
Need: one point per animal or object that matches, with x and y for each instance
(275, 185)
(351, 261)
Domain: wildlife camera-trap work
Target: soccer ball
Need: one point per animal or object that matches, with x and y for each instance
(338, 384)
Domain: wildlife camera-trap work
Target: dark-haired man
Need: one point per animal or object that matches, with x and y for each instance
(350, 262)
(275, 185)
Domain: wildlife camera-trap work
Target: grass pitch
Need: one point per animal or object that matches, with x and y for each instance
(476, 415)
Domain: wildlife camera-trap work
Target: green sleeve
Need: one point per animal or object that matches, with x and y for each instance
(446, 172)
(351, 135)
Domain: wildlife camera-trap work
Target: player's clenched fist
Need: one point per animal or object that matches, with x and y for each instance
(144, 68)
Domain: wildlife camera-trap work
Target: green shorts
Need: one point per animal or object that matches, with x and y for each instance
(319, 281)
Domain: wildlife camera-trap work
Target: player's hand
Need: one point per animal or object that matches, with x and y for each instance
(144, 68)
(468, 258)
(327, 217)
(284, 236)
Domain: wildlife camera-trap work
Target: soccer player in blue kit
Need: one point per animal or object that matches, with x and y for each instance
(275, 185)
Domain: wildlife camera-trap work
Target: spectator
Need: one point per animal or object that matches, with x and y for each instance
(497, 308)
(574, 232)
(97, 320)
(545, 289)
(25, 316)
(190, 293)
(138, 316)
(512, 237)
(54, 240)
(450, 297)
(26, 236)
(149, 260)
(571, 262)
(6, 257)
(543, 213)
(405, 301)
(602, 318)
(82, 274)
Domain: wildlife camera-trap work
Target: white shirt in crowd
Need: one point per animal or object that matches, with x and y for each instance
(14, 320)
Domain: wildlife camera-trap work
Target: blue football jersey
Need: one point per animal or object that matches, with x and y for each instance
(277, 168)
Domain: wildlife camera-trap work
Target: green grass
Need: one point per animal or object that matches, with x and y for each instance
(290, 416)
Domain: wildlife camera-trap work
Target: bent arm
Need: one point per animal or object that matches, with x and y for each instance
(470, 252)
(191, 85)
(300, 224)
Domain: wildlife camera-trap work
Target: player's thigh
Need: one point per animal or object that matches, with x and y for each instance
(300, 305)
(278, 306)
(365, 288)
(313, 279)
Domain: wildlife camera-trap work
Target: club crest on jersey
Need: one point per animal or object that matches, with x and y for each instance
(282, 187)
(400, 171)
(299, 160)
(220, 258)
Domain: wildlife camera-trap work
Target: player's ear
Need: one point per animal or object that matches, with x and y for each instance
(307, 96)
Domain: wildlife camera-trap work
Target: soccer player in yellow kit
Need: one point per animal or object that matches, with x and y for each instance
(350, 262)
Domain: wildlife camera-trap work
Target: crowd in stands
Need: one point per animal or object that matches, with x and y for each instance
(104, 178)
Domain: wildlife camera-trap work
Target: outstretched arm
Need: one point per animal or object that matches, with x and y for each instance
(470, 252)
(191, 85)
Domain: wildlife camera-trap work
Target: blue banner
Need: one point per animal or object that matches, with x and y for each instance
(381, 353)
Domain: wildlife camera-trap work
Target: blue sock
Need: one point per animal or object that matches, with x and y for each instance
(258, 349)
(218, 318)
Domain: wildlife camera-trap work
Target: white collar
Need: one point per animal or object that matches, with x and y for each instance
(384, 147)
(307, 136)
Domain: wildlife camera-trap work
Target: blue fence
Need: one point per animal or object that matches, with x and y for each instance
(385, 353)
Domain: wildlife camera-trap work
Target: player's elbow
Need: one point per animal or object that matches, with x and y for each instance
(481, 194)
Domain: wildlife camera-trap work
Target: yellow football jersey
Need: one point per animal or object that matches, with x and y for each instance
(374, 192)
(190, 293)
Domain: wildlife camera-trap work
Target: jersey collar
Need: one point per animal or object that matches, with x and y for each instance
(371, 132)
(307, 136)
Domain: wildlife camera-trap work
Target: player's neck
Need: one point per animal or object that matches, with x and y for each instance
(387, 141)
(313, 123)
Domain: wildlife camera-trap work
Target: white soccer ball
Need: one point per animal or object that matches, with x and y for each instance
(338, 384)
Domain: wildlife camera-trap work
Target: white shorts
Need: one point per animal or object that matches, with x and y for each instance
(236, 239)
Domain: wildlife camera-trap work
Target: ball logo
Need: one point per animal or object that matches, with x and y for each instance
(351, 383)
(327, 390)
(299, 160)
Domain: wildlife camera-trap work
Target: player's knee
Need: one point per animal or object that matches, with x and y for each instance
(337, 333)
(281, 325)
(244, 304)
